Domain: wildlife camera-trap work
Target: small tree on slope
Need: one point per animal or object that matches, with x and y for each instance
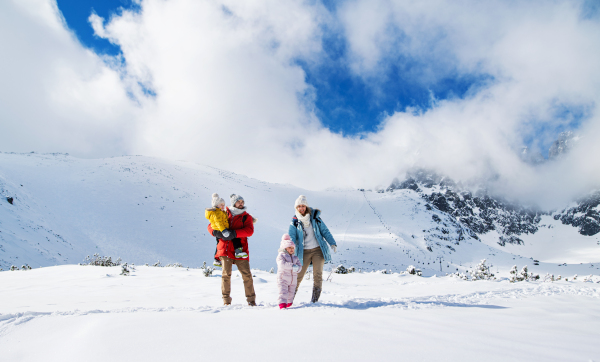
(482, 272)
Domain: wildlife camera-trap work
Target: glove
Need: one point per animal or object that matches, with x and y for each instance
(334, 247)
(295, 268)
(217, 233)
(231, 235)
(225, 233)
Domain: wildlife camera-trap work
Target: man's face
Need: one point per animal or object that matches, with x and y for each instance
(302, 209)
(239, 204)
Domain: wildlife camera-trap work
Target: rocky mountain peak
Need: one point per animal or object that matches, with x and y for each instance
(482, 212)
(564, 143)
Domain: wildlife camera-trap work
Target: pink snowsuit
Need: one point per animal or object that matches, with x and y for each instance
(286, 278)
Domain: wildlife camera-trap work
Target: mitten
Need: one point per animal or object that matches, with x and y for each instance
(231, 234)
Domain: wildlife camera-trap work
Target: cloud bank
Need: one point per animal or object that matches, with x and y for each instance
(219, 83)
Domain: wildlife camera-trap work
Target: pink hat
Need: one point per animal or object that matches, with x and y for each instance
(286, 242)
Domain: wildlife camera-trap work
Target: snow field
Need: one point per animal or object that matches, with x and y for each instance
(66, 312)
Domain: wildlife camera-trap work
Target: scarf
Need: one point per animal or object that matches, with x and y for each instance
(305, 219)
(235, 211)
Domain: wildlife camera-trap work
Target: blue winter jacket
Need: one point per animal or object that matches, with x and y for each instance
(322, 234)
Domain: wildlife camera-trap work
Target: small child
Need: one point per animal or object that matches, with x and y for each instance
(219, 221)
(288, 266)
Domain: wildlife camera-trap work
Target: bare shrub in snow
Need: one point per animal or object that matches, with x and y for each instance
(272, 271)
(549, 277)
(98, 260)
(533, 276)
(124, 270)
(340, 269)
(413, 271)
(522, 275)
(482, 272)
(207, 270)
(514, 276)
(14, 267)
(460, 276)
(157, 264)
(174, 265)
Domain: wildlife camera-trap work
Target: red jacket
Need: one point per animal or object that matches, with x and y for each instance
(244, 228)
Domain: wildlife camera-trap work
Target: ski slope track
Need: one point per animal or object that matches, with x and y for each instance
(146, 210)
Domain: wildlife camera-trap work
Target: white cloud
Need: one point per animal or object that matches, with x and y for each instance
(55, 95)
(229, 93)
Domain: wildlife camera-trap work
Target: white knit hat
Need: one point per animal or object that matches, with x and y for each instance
(216, 200)
(301, 200)
(235, 198)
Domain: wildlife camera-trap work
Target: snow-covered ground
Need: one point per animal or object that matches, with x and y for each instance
(70, 312)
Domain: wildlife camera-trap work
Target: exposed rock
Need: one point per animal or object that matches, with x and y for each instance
(585, 215)
(562, 145)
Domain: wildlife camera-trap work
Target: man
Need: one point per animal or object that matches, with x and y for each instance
(241, 226)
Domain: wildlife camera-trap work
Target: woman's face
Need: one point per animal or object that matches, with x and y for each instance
(302, 209)
(239, 204)
(290, 250)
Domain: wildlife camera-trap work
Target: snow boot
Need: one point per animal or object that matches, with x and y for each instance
(282, 305)
(240, 253)
(217, 263)
(289, 305)
(316, 295)
(252, 304)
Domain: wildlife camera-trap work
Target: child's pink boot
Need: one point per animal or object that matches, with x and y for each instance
(288, 305)
(282, 305)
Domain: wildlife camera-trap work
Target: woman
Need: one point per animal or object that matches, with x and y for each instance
(241, 227)
(311, 236)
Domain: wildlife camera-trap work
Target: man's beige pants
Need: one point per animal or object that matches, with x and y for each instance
(244, 268)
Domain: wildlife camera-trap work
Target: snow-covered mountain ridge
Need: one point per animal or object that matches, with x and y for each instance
(497, 220)
(146, 210)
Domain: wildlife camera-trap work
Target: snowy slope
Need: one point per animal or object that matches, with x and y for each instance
(70, 313)
(146, 210)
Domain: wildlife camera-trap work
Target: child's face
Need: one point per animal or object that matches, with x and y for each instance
(290, 250)
(222, 207)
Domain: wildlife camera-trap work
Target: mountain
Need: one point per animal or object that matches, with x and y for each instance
(509, 226)
(584, 215)
(565, 142)
(561, 146)
(146, 210)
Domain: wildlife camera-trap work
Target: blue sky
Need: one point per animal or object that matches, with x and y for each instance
(345, 102)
